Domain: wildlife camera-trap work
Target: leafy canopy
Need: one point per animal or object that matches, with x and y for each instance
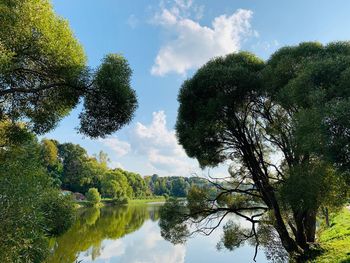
(43, 74)
(284, 126)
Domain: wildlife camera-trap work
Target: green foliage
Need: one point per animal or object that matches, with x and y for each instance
(49, 152)
(93, 196)
(120, 201)
(175, 186)
(209, 98)
(40, 51)
(295, 106)
(58, 213)
(43, 74)
(80, 172)
(115, 185)
(139, 187)
(179, 187)
(172, 221)
(29, 204)
(111, 103)
(197, 200)
(311, 80)
(328, 188)
(22, 185)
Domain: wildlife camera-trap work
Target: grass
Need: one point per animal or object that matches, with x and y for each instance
(335, 240)
(106, 201)
(149, 200)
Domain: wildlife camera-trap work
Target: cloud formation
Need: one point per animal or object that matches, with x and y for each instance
(120, 148)
(194, 44)
(158, 149)
(160, 146)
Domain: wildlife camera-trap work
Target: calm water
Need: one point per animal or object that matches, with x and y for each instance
(131, 234)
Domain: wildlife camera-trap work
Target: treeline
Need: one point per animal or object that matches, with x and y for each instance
(176, 186)
(71, 168)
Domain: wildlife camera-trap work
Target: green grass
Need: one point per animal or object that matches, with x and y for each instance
(148, 200)
(336, 239)
(106, 201)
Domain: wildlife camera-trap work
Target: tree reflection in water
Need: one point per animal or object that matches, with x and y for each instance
(94, 225)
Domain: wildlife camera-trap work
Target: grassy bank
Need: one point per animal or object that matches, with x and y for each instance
(149, 200)
(336, 239)
(108, 201)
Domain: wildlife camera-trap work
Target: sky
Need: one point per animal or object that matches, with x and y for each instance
(165, 42)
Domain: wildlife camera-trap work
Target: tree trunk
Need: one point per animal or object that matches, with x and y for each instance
(310, 225)
(300, 236)
(326, 215)
(288, 243)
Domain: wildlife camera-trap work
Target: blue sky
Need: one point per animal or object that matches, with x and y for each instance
(165, 42)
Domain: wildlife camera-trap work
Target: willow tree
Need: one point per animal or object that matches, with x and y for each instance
(43, 74)
(284, 127)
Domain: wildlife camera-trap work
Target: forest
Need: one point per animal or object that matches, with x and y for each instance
(71, 168)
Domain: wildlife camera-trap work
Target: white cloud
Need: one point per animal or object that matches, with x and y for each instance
(160, 146)
(115, 164)
(268, 46)
(120, 148)
(115, 248)
(153, 148)
(132, 21)
(195, 44)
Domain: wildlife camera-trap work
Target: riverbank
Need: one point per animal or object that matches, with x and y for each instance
(109, 201)
(159, 199)
(336, 239)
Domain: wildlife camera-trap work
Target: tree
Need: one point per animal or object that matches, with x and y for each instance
(93, 196)
(29, 204)
(74, 159)
(115, 185)
(50, 160)
(179, 187)
(279, 123)
(59, 213)
(43, 74)
(137, 183)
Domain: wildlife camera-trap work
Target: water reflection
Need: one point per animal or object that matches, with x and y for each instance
(131, 234)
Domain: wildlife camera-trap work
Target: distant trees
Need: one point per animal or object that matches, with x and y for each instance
(93, 196)
(71, 168)
(175, 186)
(80, 172)
(284, 126)
(115, 185)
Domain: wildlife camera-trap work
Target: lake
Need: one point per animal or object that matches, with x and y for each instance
(131, 234)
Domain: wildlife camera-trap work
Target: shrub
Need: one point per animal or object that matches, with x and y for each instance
(121, 201)
(58, 213)
(93, 196)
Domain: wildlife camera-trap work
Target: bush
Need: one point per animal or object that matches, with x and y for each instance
(121, 201)
(58, 213)
(93, 196)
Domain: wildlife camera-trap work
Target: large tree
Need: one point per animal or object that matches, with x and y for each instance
(32, 210)
(283, 124)
(43, 74)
